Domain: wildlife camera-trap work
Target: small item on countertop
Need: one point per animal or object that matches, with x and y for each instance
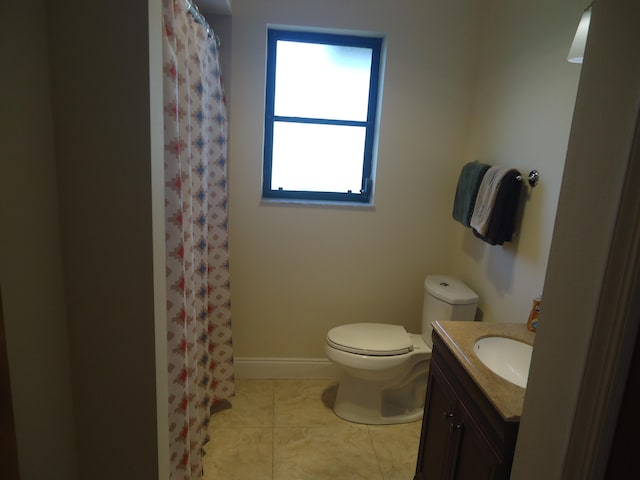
(532, 323)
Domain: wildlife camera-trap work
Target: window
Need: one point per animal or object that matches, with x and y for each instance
(320, 116)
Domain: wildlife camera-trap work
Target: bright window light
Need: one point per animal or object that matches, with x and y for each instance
(322, 96)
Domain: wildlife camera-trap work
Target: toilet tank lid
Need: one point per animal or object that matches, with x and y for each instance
(370, 339)
(449, 290)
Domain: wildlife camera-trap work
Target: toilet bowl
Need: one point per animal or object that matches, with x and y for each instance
(383, 367)
(379, 386)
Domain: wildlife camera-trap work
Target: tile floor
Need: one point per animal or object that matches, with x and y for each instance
(286, 430)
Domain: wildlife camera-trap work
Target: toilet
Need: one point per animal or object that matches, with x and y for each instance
(383, 368)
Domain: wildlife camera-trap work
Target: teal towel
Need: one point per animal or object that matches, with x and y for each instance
(467, 190)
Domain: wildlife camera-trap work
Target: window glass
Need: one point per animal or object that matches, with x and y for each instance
(319, 158)
(322, 81)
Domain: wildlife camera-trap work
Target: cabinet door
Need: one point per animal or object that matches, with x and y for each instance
(473, 457)
(463, 436)
(440, 413)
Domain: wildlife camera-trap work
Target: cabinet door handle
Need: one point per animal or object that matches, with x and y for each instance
(455, 427)
(447, 414)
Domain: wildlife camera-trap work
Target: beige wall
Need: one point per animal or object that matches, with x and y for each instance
(522, 116)
(297, 271)
(99, 57)
(156, 132)
(30, 261)
(584, 296)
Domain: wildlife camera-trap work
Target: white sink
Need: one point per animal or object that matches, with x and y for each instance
(506, 357)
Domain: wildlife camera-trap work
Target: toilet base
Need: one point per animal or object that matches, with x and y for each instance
(385, 403)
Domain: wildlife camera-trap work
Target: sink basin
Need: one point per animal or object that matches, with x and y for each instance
(506, 357)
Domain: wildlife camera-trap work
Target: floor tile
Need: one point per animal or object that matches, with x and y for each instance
(286, 430)
(324, 453)
(239, 454)
(305, 403)
(252, 406)
(396, 448)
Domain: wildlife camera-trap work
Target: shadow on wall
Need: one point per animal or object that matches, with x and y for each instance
(501, 261)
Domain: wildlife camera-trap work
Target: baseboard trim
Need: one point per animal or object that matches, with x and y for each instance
(285, 367)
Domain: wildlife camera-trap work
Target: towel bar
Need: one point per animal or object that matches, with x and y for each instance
(533, 177)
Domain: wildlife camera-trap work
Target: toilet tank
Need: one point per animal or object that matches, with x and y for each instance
(446, 298)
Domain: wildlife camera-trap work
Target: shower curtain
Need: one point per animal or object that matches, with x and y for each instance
(200, 358)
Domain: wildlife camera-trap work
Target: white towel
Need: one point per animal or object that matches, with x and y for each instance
(486, 198)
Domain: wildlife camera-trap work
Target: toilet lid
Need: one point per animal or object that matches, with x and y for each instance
(379, 339)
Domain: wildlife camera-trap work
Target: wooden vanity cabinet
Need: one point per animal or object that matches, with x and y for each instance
(463, 436)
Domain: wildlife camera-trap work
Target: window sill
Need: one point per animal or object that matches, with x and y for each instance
(316, 203)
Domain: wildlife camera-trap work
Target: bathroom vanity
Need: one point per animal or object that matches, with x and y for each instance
(471, 415)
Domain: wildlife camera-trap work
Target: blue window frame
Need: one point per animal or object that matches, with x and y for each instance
(322, 94)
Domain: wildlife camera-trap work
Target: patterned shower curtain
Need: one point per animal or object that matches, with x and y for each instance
(200, 358)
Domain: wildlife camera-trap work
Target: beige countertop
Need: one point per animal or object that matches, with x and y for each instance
(460, 337)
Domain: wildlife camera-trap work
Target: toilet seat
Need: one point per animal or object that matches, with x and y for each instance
(375, 339)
